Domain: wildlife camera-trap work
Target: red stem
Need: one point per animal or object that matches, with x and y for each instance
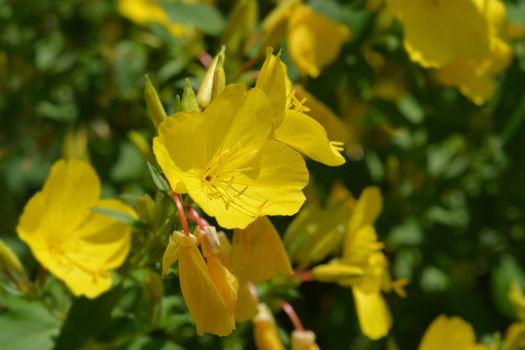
(304, 276)
(200, 222)
(292, 315)
(253, 291)
(182, 216)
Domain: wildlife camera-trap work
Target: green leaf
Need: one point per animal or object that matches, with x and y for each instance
(204, 17)
(158, 179)
(86, 319)
(117, 215)
(26, 325)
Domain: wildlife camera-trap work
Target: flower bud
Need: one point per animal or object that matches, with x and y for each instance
(155, 108)
(214, 81)
(304, 340)
(188, 102)
(265, 330)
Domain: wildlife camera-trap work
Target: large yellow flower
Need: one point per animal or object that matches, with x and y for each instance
(450, 333)
(223, 158)
(291, 125)
(78, 245)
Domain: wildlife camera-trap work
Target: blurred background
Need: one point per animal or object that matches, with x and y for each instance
(452, 173)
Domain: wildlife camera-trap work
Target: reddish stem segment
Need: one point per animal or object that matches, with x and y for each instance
(205, 59)
(183, 220)
(304, 276)
(292, 315)
(200, 222)
(253, 291)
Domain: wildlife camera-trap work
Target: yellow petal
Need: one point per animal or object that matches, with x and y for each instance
(224, 281)
(373, 314)
(367, 209)
(336, 272)
(271, 80)
(334, 126)
(450, 333)
(308, 137)
(435, 32)
(475, 77)
(265, 331)
(246, 307)
(204, 301)
(314, 40)
(360, 245)
(258, 253)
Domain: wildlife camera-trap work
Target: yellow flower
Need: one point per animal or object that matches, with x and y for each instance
(438, 31)
(474, 77)
(314, 40)
(144, 11)
(209, 290)
(265, 330)
(78, 245)
(223, 158)
(450, 333)
(363, 267)
(291, 125)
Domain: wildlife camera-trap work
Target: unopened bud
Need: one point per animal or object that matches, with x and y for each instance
(155, 108)
(188, 102)
(214, 81)
(304, 340)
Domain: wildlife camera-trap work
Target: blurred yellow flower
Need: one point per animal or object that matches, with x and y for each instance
(314, 40)
(291, 125)
(467, 50)
(144, 11)
(223, 158)
(363, 267)
(450, 333)
(438, 31)
(78, 245)
(474, 77)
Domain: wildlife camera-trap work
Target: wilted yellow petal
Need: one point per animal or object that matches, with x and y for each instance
(204, 301)
(178, 240)
(246, 305)
(265, 331)
(224, 281)
(374, 316)
(360, 245)
(450, 333)
(258, 253)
